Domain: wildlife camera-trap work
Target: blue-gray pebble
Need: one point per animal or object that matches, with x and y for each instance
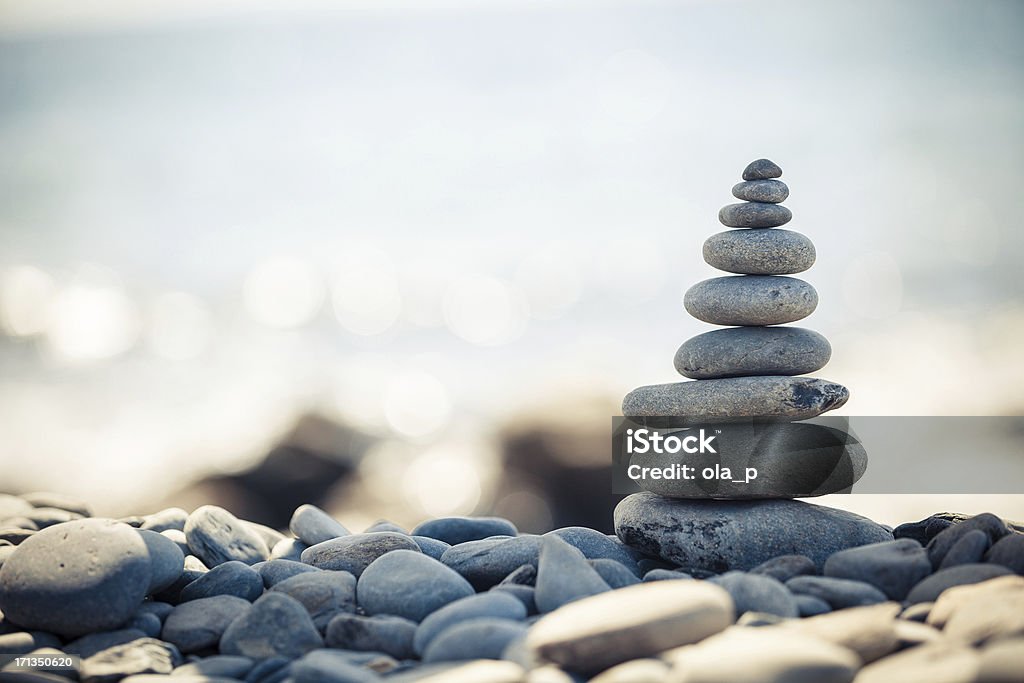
(409, 584)
(327, 666)
(199, 624)
(324, 594)
(564, 576)
(494, 605)
(894, 567)
(355, 552)
(615, 574)
(481, 638)
(382, 633)
(758, 593)
(431, 546)
(230, 578)
(839, 593)
(217, 536)
(166, 560)
(486, 562)
(455, 530)
(275, 571)
(276, 626)
(311, 525)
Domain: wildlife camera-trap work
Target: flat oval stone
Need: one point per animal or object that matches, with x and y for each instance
(217, 536)
(769, 191)
(276, 626)
(644, 620)
(199, 624)
(759, 252)
(760, 169)
(751, 300)
(455, 530)
(409, 584)
(735, 399)
(324, 594)
(754, 215)
(486, 562)
(311, 525)
(480, 638)
(930, 588)
(724, 535)
(839, 593)
(229, 578)
(744, 351)
(383, 633)
(75, 578)
(355, 552)
(493, 605)
(274, 571)
(758, 593)
(894, 567)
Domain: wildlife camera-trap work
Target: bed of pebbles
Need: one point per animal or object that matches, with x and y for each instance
(674, 596)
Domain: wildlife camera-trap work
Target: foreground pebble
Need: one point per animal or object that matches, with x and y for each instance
(740, 351)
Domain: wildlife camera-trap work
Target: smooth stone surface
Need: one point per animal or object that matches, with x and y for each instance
(745, 351)
(943, 542)
(355, 552)
(276, 626)
(142, 656)
(524, 594)
(177, 538)
(227, 666)
(761, 169)
(23, 642)
(525, 575)
(275, 571)
(666, 575)
(984, 612)
(970, 549)
(613, 573)
(758, 593)
(720, 535)
(595, 633)
(455, 530)
(199, 624)
(230, 578)
(563, 576)
(90, 644)
(288, 549)
(938, 663)
(409, 584)
(596, 546)
(479, 638)
(764, 655)
(735, 399)
(839, 593)
(751, 300)
(385, 525)
(324, 594)
(77, 577)
(810, 606)
(485, 563)
(431, 546)
(383, 633)
(327, 666)
(868, 631)
(217, 536)
(636, 671)
(148, 624)
(894, 567)
(1008, 552)
(767, 190)
(168, 518)
(932, 587)
(311, 525)
(785, 567)
(491, 605)
(1002, 661)
(792, 460)
(754, 215)
(13, 506)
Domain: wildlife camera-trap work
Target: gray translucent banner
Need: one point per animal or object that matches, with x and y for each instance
(748, 459)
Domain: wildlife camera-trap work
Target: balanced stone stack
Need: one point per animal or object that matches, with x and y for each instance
(749, 372)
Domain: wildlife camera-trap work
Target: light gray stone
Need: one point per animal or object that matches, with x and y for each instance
(751, 300)
(217, 536)
(735, 399)
(311, 525)
(355, 552)
(759, 252)
(767, 190)
(744, 351)
(754, 215)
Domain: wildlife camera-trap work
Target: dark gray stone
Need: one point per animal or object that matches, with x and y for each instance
(770, 191)
(311, 525)
(455, 530)
(761, 169)
(15, 535)
(596, 546)
(930, 588)
(492, 605)
(224, 666)
(149, 624)
(481, 638)
(751, 300)
(943, 542)
(323, 594)
(276, 626)
(719, 535)
(754, 215)
(270, 669)
(810, 606)
(230, 578)
(90, 644)
(169, 518)
(785, 567)
(485, 563)
(217, 536)
(758, 593)
(160, 609)
(383, 633)
(525, 575)
(327, 666)
(839, 593)
(613, 573)
(894, 567)
(563, 576)
(199, 624)
(735, 399)
(166, 561)
(355, 552)
(431, 546)
(275, 571)
(1008, 551)
(743, 351)
(409, 584)
(970, 549)
(142, 656)
(75, 578)
(524, 594)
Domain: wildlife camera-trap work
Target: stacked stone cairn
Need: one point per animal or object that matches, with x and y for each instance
(749, 373)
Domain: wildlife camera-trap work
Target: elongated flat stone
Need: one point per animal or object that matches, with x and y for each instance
(770, 191)
(748, 351)
(751, 300)
(735, 399)
(759, 252)
(754, 215)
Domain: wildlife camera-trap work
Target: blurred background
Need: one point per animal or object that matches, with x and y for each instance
(403, 258)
